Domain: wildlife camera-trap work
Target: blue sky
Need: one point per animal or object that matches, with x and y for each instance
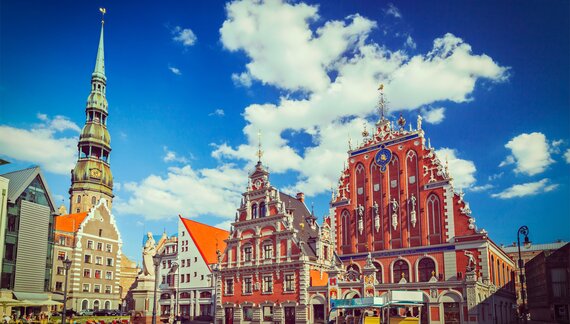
(191, 83)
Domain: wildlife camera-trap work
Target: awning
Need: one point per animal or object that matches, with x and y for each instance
(35, 299)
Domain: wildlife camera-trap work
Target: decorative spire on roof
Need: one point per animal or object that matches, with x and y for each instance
(100, 61)
(382, 108)
(259, 151)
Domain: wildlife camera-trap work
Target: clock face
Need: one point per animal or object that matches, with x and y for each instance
(258, 184)
(95, 173)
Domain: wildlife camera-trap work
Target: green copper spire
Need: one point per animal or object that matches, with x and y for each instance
(100, 62)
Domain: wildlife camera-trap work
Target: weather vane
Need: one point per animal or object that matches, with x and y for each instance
(103, 12)
(259, 151)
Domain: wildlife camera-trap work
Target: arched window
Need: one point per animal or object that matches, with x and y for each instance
(78, 199)
(434, 219)
(184, 295)
(394, 191)
(254, 211)
(352, 272)
(96, 305)
(492, 269)
(377, 212)
(378, 272)
(361, 221)
(165, 296)
(413, 209)
(262, 209)
(345, 227)
(401, 270)
(426, 269)
(93, 200)
(107, 304)
(85, 304)
(205, 294)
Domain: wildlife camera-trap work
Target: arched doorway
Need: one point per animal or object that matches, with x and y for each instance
(451, 308)
(318, 309)
(84, 304)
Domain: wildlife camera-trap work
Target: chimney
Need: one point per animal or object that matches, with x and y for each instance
(300, 197)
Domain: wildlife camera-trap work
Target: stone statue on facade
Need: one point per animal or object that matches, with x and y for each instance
(149, 250)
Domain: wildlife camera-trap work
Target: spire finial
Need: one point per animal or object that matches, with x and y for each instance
(259, 151)
(382, 109)
(100, 61)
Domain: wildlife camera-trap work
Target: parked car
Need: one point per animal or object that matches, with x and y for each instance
(106, 312)
(69, 312)
(86, 312)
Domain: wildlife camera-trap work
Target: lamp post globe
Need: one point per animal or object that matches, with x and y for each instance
(67, 266)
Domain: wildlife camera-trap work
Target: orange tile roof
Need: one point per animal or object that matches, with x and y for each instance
(316, 280)
(207, 239)
(69, 223)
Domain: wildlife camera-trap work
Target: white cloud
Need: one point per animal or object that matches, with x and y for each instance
(171, 156)
(183, 190)
(242, 80)
(462, 171)
(530, 153)
(42, 144)
(526, 189)
(496, 176)
(393, 11)
(175, 70)
(185, 36)
(433, 115)
(567, 156)
(410, 42)
(218, 112)
(481, 188)
(337, 68)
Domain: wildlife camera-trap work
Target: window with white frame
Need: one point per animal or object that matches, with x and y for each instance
(98, 260)
(108, 247)
(268, 284)
(229, 286)
(109, 275)
(86, 273)
(86, 287)
(267, 251)
(96, 288)
(289, 282)
(110, 262)
(87, 258)
(90, 244)
(247, 252)
(247, 285)
(108, 289)
(99, 246)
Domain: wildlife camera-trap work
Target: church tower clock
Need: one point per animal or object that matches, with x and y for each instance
(91, 179)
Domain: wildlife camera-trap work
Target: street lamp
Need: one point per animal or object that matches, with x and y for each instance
(174, 270)
(156, 261)
(523, 230)
(67, 266)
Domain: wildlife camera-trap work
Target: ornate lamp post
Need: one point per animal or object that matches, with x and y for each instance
(523, 230)
(174, 270)
(156, 262)
(67, 266)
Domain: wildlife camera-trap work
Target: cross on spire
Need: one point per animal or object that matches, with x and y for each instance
(103, 12)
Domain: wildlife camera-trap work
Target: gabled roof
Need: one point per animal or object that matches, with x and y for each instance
(69, 223)
(21, 179)
(300, 214)
(207, 239)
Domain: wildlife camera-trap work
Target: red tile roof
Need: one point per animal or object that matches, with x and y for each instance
(69, 223)
(207, 239)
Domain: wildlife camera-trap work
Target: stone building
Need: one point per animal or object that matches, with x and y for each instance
(129, 272)
(275, 254)
(548, 285)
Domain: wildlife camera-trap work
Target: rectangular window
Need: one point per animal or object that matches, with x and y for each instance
(60, 271)
(107, 289)
(267, 284)
(229, 286)
(62, 241)
(58, 286)
(97, 274)
(98, 260)
(247, 285)
(10, 253)
(267, 251)
(108, 248)
(187, 277)
(109, 275)
(99, 246)
(183, 263)
(182, 278)
(559, 282)
(86, 273)
(97, 288)
(87, 258)
(163, 264)
(61, 255)
(267, 313)
(110, 262)
(289, 282)
(85, 287)
(247, 253)
(89, 244)
(247, 313)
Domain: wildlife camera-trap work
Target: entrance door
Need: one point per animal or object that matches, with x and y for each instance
(451, 313)
(319, 314)
(289, 315)
(229, 315)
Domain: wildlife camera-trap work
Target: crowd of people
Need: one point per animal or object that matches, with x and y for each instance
(41, 318)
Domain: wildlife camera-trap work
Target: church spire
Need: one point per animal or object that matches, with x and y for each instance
(100, 61)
